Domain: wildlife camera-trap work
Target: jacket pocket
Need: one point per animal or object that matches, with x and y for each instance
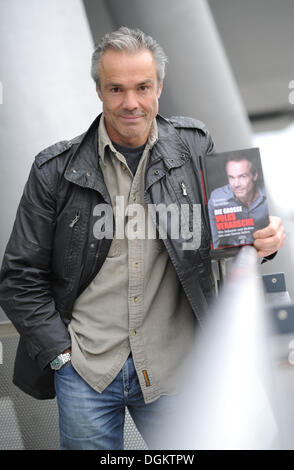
(32, 349)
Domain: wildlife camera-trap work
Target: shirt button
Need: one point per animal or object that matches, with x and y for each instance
(136, 264)
(133, 332)
(123, 166)
(134, 197)
(136, 299)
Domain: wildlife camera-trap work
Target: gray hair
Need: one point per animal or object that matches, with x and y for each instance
(132, 40)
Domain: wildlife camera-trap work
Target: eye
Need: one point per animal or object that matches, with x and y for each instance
(115, 89)
(143, 88)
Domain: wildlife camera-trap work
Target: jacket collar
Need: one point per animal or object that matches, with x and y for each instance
(169, 147)
(169, 152)
(84, 169)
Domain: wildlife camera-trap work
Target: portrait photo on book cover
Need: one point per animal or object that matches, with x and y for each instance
(237, 201)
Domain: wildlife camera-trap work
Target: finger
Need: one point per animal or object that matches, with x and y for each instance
(265, 248)
(270, 230)
(270, 244)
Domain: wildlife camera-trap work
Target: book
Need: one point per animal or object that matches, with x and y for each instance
(235, 197)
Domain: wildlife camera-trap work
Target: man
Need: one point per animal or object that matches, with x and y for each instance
(120, 313)
(244, 192)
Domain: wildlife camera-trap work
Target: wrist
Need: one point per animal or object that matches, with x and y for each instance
(61, 360)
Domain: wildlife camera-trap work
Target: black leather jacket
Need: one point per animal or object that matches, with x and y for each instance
(52, 254)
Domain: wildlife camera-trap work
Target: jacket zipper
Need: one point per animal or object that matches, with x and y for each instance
(75, 220)
(185, 193)
(184, 189)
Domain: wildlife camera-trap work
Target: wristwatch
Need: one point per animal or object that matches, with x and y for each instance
(60, 360)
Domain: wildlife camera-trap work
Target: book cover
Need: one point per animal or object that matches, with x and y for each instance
(236, 198)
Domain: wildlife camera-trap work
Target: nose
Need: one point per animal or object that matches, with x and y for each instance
(130, 101)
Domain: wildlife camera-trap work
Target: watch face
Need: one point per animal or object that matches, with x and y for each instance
(59, 361)
(56, 363)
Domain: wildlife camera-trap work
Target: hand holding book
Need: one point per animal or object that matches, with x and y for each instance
(270, 239)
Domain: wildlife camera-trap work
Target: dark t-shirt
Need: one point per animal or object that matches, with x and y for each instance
(131, 154)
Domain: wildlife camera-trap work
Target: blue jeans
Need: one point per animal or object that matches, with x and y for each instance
(95, 421)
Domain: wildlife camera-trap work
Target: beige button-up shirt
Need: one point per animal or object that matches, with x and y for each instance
(135, 303)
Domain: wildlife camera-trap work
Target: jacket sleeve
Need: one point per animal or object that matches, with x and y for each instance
(25, 293)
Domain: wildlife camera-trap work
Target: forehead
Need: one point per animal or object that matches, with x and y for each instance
(238, 167)
(121, 66)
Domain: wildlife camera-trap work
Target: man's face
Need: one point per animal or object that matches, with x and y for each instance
(241, 180)
(129, 91)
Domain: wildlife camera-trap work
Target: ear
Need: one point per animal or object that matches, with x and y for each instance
(160, 89)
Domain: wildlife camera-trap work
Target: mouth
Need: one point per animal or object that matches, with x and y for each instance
(130, 118)
(239, 193)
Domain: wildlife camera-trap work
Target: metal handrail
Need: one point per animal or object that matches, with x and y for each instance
(230, 400)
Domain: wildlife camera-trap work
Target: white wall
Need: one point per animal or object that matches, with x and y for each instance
(48, 93)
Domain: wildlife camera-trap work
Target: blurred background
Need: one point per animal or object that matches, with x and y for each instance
(230, 65)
